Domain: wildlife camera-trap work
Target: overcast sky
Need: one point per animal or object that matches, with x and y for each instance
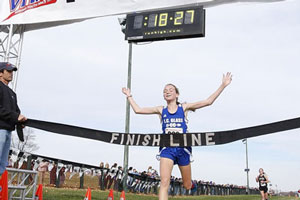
(74, 74)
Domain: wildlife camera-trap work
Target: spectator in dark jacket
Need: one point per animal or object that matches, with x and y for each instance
(9, 112)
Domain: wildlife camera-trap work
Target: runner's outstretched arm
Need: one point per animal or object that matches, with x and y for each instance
(211, 99)
(136, 108)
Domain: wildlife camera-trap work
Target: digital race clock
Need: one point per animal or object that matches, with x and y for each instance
(187, 22)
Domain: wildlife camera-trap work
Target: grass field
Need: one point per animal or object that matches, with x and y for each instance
(50, 193)
(69, 192)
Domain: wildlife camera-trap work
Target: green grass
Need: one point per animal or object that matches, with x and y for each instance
(50, 193)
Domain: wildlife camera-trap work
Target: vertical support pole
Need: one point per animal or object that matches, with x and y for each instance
(34, 184)
(82, 179)
(8, 45)
(57, 175)
(28, 167)
(127, 122)
(247, 168)
(15, 80)
(29, 159)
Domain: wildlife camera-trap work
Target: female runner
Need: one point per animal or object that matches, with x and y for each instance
(173, 118)
(263, 181)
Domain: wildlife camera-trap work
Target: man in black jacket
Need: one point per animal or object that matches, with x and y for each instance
(9, 112)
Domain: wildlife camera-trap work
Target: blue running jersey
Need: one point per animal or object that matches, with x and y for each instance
(173, 122)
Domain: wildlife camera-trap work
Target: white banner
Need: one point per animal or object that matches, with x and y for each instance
(68, 11)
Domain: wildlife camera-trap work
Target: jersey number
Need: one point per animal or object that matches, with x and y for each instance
(173, 130)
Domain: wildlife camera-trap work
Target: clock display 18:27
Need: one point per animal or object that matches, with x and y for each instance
(187, 22)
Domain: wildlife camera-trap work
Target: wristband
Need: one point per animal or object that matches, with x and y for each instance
(129, 96)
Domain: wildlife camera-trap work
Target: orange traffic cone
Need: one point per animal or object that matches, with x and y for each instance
(3, 187)
(111, 195)
(122, 195)
(39, 193)
(88, 195)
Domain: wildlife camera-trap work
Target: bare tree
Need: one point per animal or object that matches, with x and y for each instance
(28, 145)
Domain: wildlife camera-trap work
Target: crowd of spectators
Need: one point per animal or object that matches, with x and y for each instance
(113, 177)
(148, 182)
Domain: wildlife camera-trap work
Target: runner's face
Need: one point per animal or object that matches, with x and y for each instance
(261, 171)
(170, 93)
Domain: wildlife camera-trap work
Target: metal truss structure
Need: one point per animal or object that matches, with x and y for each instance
(22, 184)
(11, 41)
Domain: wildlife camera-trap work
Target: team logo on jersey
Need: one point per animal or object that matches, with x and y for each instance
(20, 6)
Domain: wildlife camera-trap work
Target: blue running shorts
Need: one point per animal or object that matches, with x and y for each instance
(179, 155)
